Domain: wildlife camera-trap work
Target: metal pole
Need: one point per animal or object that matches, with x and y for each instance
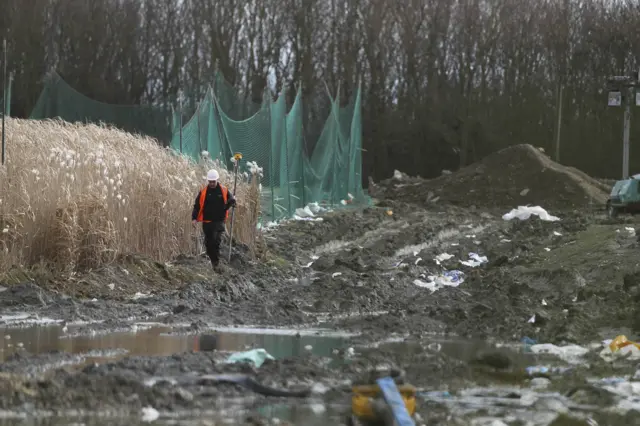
(4, 97)
(626, 87)
(237, 157)
(625, 137)
(559, 123)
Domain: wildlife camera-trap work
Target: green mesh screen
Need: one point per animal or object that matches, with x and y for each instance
(273, 138)
(226, 122)
(58, 99)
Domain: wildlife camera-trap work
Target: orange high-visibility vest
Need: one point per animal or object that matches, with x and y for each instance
(203, 196)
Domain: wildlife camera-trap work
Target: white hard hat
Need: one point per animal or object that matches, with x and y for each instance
(213, 175)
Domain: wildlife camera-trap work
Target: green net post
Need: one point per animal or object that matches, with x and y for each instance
(198, 122)
(286, 162)
(266, 99)
(355, 159)
(180, 108)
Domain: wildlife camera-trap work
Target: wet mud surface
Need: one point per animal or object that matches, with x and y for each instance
(382, 273)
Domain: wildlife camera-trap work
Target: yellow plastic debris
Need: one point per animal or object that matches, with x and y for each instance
(620, 342)
(363, 394)
(389, 212)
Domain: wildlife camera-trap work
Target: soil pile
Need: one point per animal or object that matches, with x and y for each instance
(518, 175)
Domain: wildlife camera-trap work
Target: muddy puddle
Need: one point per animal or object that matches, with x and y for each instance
(450, 382)
(157, 340)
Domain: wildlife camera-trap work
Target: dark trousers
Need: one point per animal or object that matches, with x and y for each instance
(213, 232)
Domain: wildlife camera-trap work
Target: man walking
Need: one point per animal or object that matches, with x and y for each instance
(212, 209)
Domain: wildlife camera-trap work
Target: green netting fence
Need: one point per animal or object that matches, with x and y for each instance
(226, 122)
(59, 100)
(273, 138)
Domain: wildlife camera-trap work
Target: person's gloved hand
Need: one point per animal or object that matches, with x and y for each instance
(232, 203)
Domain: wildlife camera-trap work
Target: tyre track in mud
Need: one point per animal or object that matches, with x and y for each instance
(356, 270)
(367, 262)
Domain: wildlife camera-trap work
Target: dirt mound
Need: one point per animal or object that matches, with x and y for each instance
(518, 175)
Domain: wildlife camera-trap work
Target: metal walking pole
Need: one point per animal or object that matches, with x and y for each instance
(4, 97)
(237, 157)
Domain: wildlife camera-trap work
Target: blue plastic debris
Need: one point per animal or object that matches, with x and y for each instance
(395, 401)
(541, 369)
(454, 275)
(528, 342)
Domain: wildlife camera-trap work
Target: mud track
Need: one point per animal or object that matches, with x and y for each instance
(355, 270)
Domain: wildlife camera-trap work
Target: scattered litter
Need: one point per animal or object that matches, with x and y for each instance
(308, 219)
(524, 192)
(544, 302)
(255, 356)
(532, 320)
(543, 369)
(308, 265)
(318, 408)
(504, 240)
(540, 383)
(336, 274)
(308, 348)
(620, 347)
(308, 213)
(447, 279)
(525, 212)
(150, 414)
(570, 353)
(547, 249)
(418, 260)
(319, 388)
(475, 260)
(111, 286)
(557, 234)
(139, 295)
(442, 257)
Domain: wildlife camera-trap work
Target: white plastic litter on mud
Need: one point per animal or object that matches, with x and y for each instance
(571, 354)
(475, 260)
(525, 212)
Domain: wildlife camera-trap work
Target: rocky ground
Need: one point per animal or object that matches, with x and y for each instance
(571, 281)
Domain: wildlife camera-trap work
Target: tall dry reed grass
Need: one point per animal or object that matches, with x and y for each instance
(77, 196)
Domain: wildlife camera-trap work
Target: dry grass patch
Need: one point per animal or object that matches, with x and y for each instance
(78, 196)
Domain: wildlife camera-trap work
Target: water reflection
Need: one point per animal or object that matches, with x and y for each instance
(156, 341)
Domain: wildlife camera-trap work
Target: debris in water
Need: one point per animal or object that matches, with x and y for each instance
(255, 356)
